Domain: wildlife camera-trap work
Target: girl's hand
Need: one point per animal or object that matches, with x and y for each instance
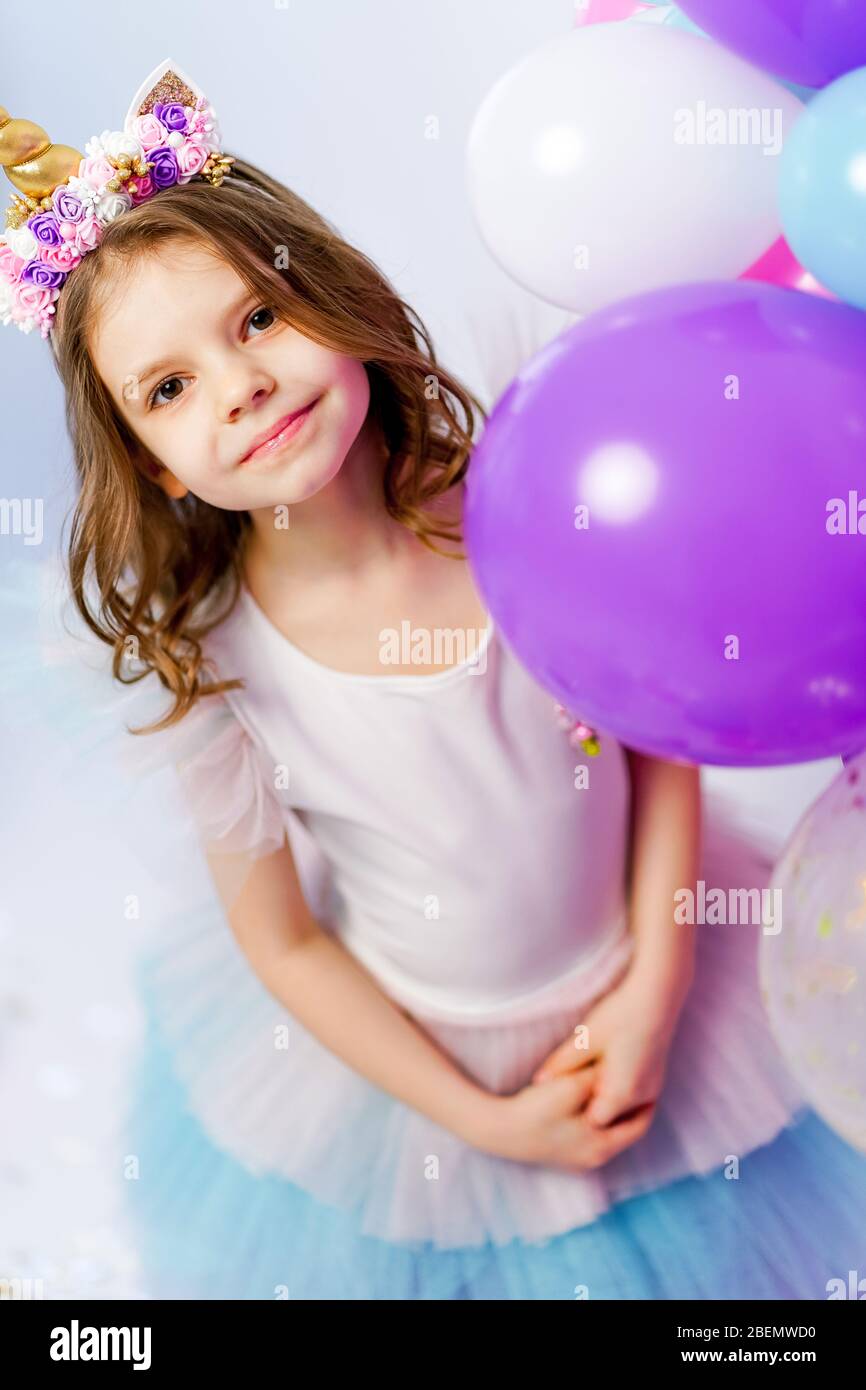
(629, 1037)
(545, 1124)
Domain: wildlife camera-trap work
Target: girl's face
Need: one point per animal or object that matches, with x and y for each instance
(200, 369)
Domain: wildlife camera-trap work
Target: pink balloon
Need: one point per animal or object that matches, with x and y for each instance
(779, 266)
(604, 11)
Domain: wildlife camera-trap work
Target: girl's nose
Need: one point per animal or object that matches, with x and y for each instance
(259, 394)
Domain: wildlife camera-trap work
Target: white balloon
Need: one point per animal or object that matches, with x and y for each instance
(623, 157)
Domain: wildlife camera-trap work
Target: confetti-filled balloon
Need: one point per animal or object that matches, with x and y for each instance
(813, 971)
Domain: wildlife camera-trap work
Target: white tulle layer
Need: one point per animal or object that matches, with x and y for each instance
(270, 1094)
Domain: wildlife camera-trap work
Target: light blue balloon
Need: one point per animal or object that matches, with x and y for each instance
(822, 187)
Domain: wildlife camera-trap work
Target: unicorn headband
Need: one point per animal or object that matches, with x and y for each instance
(65, 200)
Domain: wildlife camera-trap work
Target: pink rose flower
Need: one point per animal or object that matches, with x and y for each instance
(88, 235)
(145, 188)
(96, 172)
(191, 157)
(31, 300)
(11, 265)
(64, 257)
(148, 131)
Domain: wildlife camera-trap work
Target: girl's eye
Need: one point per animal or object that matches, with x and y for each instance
(153, 404)
(263, 310)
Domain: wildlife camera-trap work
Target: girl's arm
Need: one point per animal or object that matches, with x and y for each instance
(665, 856)
(337, 1000)
(630, 1029)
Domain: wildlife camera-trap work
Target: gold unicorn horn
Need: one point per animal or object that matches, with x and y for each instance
(32, 163)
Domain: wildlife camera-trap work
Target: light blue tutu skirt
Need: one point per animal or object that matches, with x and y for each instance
(206, 1227)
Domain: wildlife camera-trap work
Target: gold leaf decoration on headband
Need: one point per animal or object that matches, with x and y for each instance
(217, 167)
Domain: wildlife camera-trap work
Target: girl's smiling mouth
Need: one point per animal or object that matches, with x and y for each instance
(284, 430)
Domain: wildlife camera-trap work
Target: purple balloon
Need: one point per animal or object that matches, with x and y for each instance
(807, 41)
(709, 604)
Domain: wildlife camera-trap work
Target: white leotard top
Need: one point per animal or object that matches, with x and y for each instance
(469, 873)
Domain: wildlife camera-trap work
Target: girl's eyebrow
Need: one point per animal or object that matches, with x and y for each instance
(164, 363)
(142, 377)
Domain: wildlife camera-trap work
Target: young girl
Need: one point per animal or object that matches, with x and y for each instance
(436, 1033)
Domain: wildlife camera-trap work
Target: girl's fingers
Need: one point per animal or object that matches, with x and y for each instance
(577, 1086)
(565, 1058)
(638, 1108)
(625, 1131)
(609, 1106)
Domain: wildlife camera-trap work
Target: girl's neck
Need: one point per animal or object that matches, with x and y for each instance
(342, 530)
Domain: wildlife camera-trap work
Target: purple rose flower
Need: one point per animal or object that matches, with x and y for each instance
(36, 272)
(165, 171)
(172, 115)
(68, 207)
(45, 228)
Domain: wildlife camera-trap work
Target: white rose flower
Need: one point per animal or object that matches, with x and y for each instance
(119, 144)
(111, 205)
(114, 143)
(23, 242)
(5, 302)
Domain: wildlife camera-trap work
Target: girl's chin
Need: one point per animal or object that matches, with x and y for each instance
(288, 486)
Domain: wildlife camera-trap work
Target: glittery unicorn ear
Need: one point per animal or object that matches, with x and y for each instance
(167, 83)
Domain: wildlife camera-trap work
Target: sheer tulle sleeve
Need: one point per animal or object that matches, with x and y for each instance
(226, 783)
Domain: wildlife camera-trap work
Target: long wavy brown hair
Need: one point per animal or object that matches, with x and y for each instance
(165, 571)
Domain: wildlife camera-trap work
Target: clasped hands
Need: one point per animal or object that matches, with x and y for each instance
(597, 1092)
(623, 1041)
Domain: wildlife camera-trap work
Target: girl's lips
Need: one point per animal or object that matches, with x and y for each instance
(283, 435)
